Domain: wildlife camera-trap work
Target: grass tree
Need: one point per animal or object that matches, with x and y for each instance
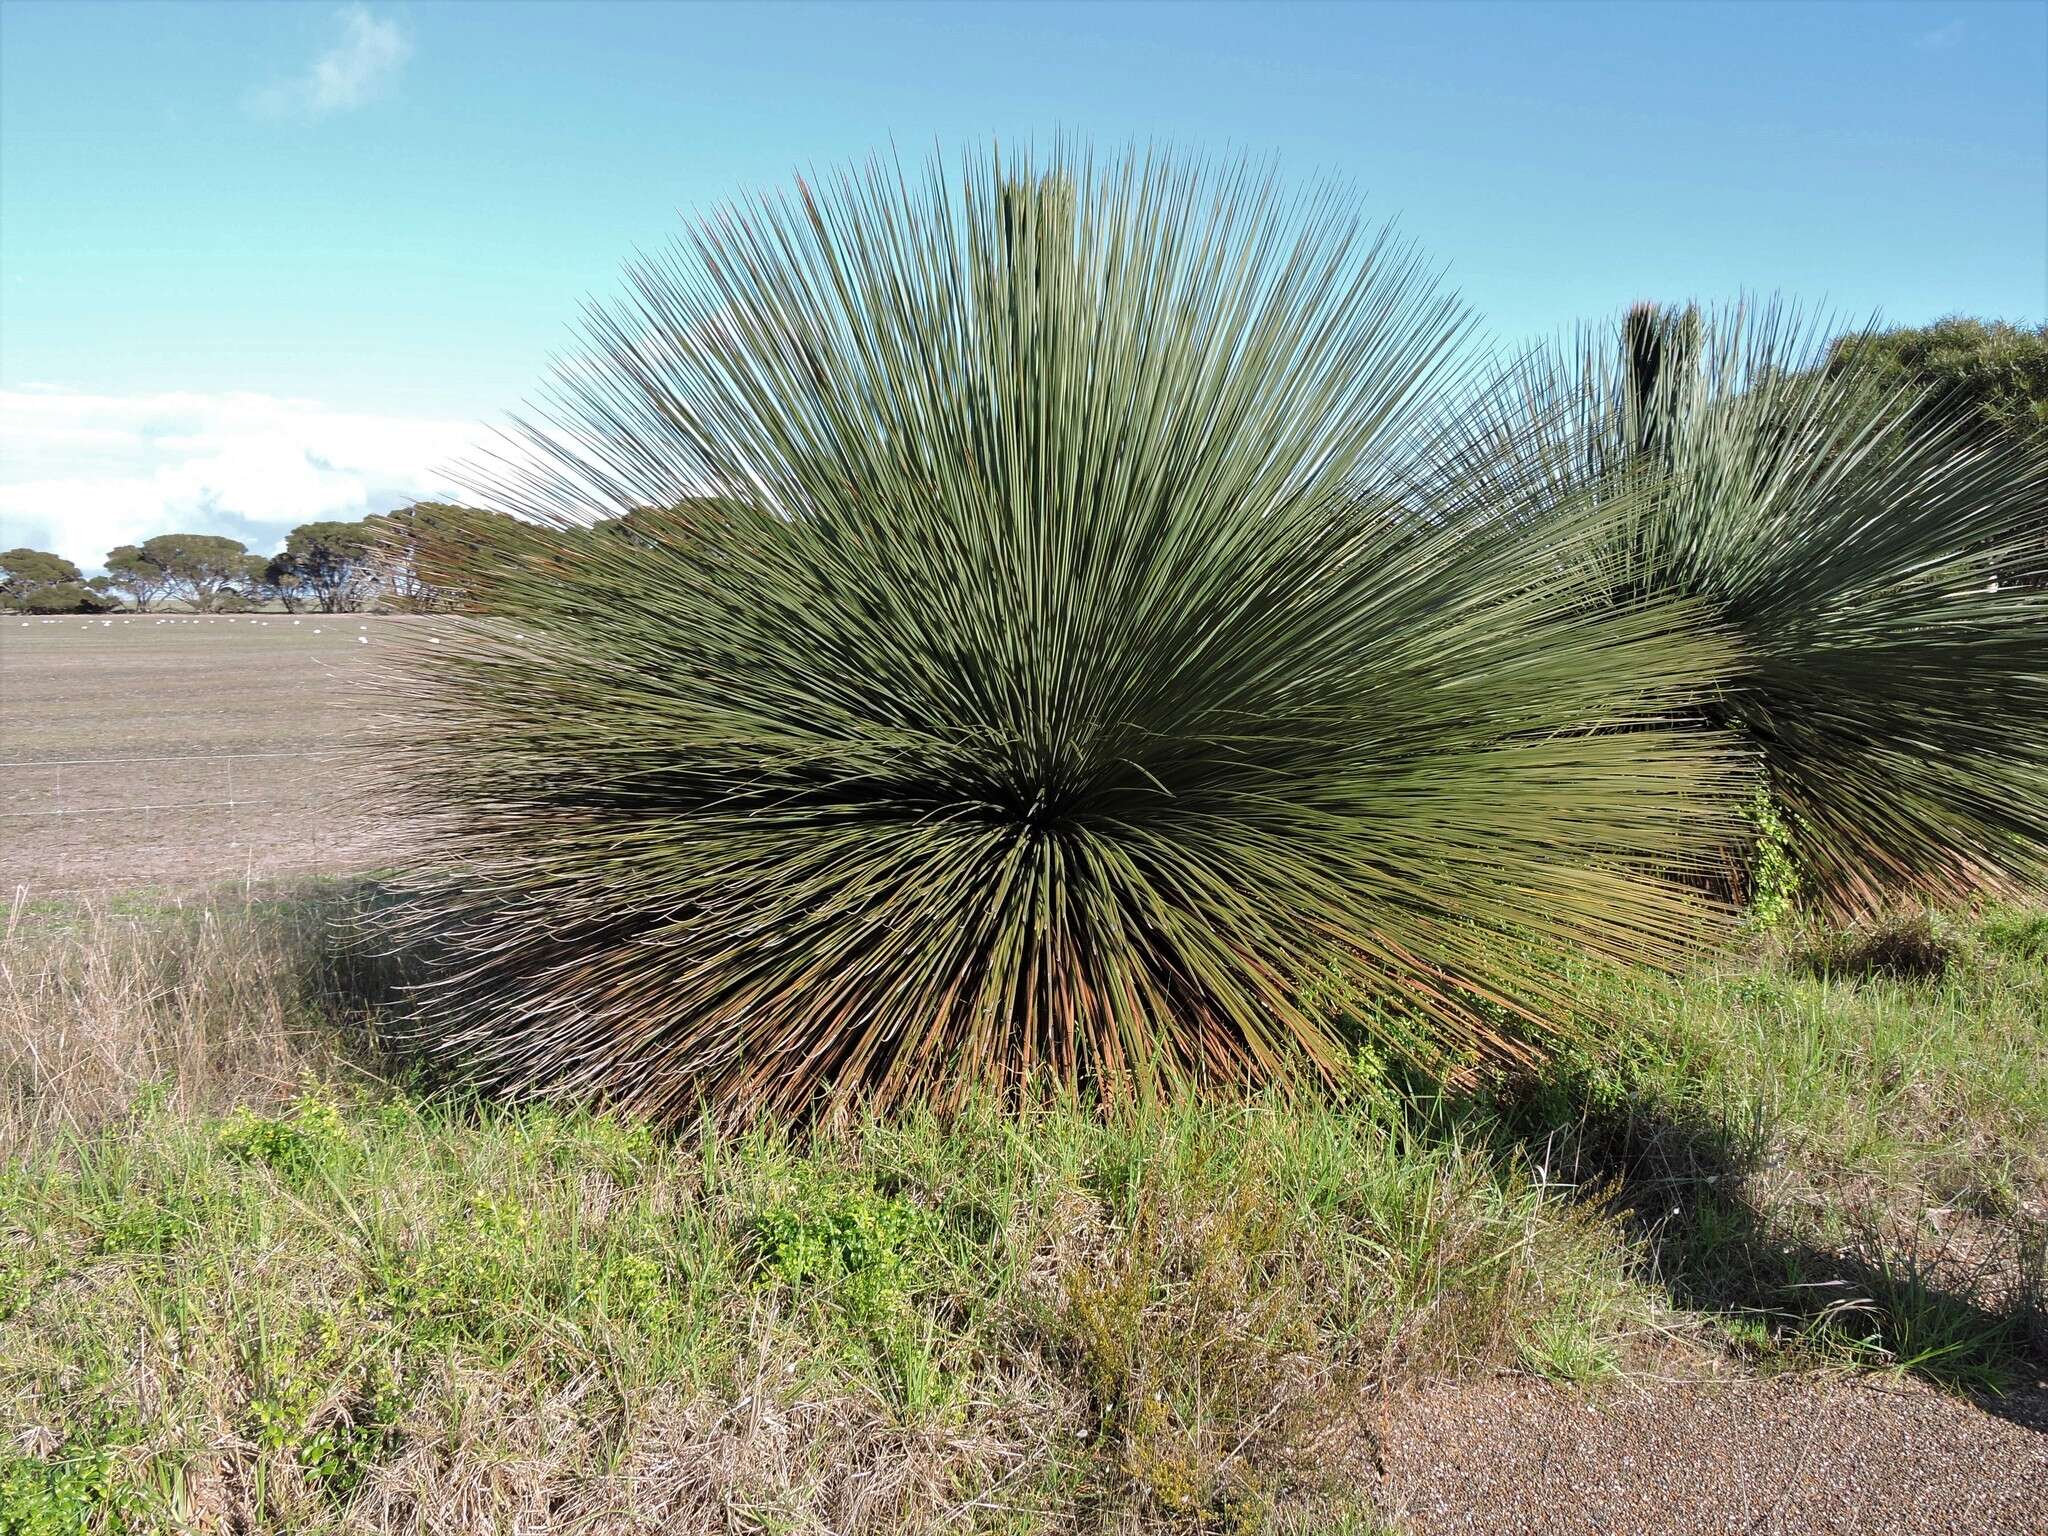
(1032, 680)
(1859, 547)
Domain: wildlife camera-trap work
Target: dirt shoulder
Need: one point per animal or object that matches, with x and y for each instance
(1780, 1456)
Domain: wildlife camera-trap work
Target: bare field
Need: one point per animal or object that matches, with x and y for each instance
(171, 751)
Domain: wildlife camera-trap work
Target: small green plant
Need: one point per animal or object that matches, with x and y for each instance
(2018, 935)
(151, 1100)
(462, 1283)
(311, 1135)
(339, 1456)
(324, 1405)
(71, 1494)
(853, 1242)
(17, 1279)
(858, 1252)
(1563, 1351)
(78, 1491)
(627, 1284)
(145, 1225)
(1774, 871)
(622, 1145)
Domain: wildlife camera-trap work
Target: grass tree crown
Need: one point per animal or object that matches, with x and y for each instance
(1876, 557)
(960, 633)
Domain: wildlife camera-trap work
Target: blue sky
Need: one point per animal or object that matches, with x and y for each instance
(260, 262)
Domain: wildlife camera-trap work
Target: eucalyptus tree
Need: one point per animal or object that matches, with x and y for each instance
(133, 574)
(200, 565)
(333, 564)
(26, 573)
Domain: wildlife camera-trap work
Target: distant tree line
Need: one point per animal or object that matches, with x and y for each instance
(414, 560)
(402, 561)
(418, 559)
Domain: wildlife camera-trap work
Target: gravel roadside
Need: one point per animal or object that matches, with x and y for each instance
(1781, 1456)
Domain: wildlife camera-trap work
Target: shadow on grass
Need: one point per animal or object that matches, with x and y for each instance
(361, 969)
(1682, 1183)
(378, 948)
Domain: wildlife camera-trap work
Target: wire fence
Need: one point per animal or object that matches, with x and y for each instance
(183, 819)
(226, 760)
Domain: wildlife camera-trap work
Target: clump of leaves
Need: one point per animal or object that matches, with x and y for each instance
(146, 1226)
(310, 1135)
(468, 1281)
(982, 630)
(77, 1490)
(327, 1404)
(856, 1244)
(500, 1260)
(1773, 868)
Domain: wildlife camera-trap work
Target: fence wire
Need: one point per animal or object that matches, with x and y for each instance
(274, 821)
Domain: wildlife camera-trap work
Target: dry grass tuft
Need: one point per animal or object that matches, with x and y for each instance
(1902, 946)
(203, 1003)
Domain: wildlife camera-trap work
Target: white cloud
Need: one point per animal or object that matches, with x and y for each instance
(80, 473)
(371, 50)
(1943, 38)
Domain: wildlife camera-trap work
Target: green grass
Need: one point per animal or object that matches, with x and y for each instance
(346, 1311)
(247, 1278)
(1837, 1146)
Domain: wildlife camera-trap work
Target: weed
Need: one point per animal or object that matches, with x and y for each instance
(469, 1282)
(321, 1404)
(307, 1139)
(852, 1242)
(76, 1491)
(2020, 935)
(1204, 1341)
(1774, 881)
(145, 1226)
